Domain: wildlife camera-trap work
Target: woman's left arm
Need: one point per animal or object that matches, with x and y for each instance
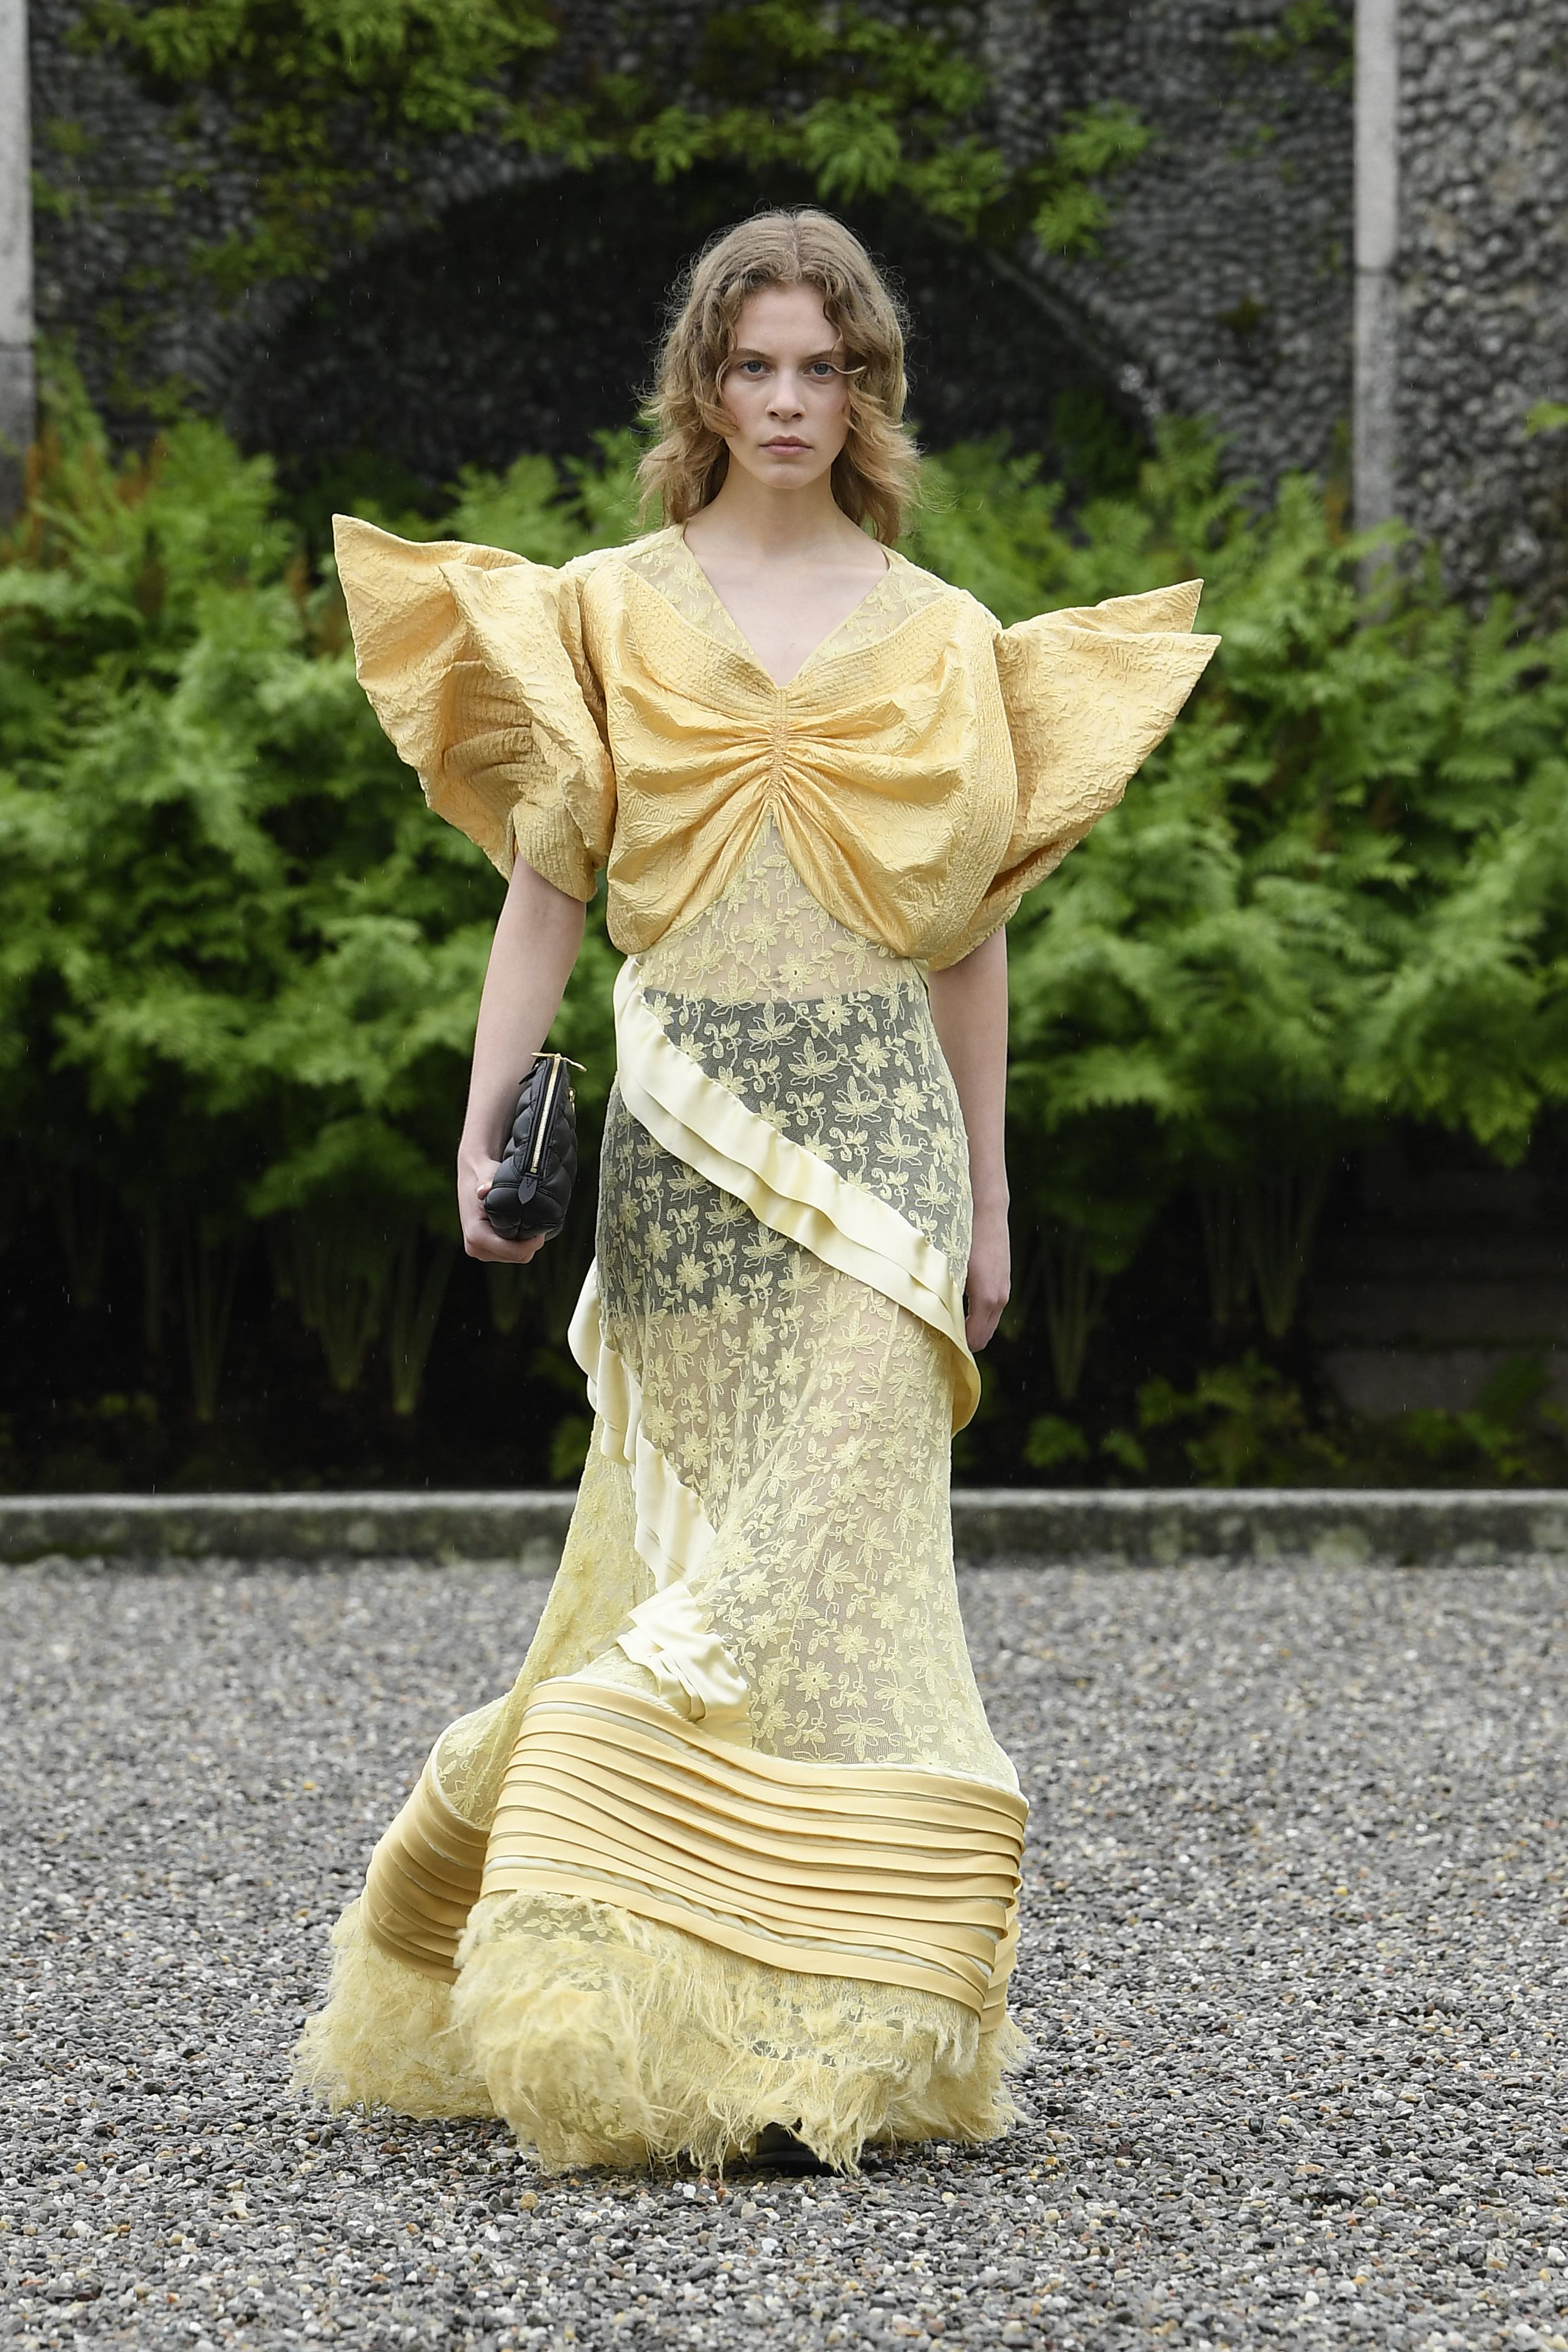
(968, 1006)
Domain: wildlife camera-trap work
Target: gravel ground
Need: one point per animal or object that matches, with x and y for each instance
(1294, 1967)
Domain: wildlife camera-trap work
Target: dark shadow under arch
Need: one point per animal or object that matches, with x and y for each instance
(528, 318)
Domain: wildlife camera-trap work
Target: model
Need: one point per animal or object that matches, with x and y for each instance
(738, 1854)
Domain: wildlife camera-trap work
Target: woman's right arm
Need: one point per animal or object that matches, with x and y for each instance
(535, 947)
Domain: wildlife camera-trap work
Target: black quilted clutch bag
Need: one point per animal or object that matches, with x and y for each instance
(531, 1188)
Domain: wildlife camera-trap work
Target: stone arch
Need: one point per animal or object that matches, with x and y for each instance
(524, 318)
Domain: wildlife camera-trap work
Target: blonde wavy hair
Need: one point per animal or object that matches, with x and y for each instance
(875, 475)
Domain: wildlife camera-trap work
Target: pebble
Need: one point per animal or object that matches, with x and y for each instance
(1294, 1968)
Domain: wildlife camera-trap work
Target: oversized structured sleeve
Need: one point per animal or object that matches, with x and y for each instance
(474, 662)
(1089, 693)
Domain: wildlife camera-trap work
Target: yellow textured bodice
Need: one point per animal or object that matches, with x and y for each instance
(923, 769)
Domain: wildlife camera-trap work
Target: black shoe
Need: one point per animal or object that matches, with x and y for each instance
(778, 2150)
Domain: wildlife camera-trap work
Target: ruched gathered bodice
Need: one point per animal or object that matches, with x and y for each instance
(877, 764)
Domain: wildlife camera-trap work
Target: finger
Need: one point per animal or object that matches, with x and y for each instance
(491, 1250)
(980, 1327)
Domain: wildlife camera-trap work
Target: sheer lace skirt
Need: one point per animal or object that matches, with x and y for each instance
(760, 1560)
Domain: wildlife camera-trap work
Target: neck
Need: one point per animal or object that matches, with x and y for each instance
(750, 519)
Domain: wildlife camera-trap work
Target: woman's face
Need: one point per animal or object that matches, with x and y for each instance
(784, 390)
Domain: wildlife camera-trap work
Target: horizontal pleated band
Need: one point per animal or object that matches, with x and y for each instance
(898, 1877)
(423, 1882)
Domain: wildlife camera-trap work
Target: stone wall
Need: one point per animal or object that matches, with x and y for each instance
(1484, 285)
(1224, 288)
(1224, 280)
(133, 189)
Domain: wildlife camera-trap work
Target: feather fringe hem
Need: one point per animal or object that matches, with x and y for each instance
(386, 2037)
(604, 2039)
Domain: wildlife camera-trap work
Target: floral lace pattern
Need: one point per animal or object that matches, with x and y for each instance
(766, 938)
(857, 1079)
(808, 1413)
(827, 1036)
(811, 1415)
(599, 1582)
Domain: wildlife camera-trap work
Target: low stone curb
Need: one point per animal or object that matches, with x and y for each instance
(1149, 1527)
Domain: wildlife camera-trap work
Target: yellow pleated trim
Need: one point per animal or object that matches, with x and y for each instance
(895, 1876)
(424, 1879)
(785, 1186)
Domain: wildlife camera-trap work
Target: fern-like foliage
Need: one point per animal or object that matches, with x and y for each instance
(239, 962)
(236, 958)
(1335, 896)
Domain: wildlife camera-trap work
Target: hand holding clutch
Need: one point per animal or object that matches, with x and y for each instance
(531, 1188)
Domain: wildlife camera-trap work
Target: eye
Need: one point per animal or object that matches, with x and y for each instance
(753, 368)
(823, 369)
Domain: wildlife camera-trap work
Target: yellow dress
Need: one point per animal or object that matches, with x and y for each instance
(739, 1848)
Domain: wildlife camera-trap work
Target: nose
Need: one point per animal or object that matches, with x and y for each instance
(787, 401)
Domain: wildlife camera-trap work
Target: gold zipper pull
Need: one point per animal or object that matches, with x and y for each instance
(541, 1126)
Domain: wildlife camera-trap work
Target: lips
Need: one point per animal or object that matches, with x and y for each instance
(785, 445)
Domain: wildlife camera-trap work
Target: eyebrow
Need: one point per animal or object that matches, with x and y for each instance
(754, 351)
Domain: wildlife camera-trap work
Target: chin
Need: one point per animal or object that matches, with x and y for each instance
(806, 468)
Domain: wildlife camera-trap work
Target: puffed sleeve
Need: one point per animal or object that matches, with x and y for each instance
(1087, 693)
(474, 662)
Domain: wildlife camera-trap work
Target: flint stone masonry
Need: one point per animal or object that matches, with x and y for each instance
(1152, 1528)
(1224, 288)
(1483, 279)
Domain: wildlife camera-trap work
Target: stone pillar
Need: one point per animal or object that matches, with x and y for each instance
(18, 390)
(1375, 453)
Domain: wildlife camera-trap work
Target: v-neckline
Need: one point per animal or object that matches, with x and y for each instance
(745, 643)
